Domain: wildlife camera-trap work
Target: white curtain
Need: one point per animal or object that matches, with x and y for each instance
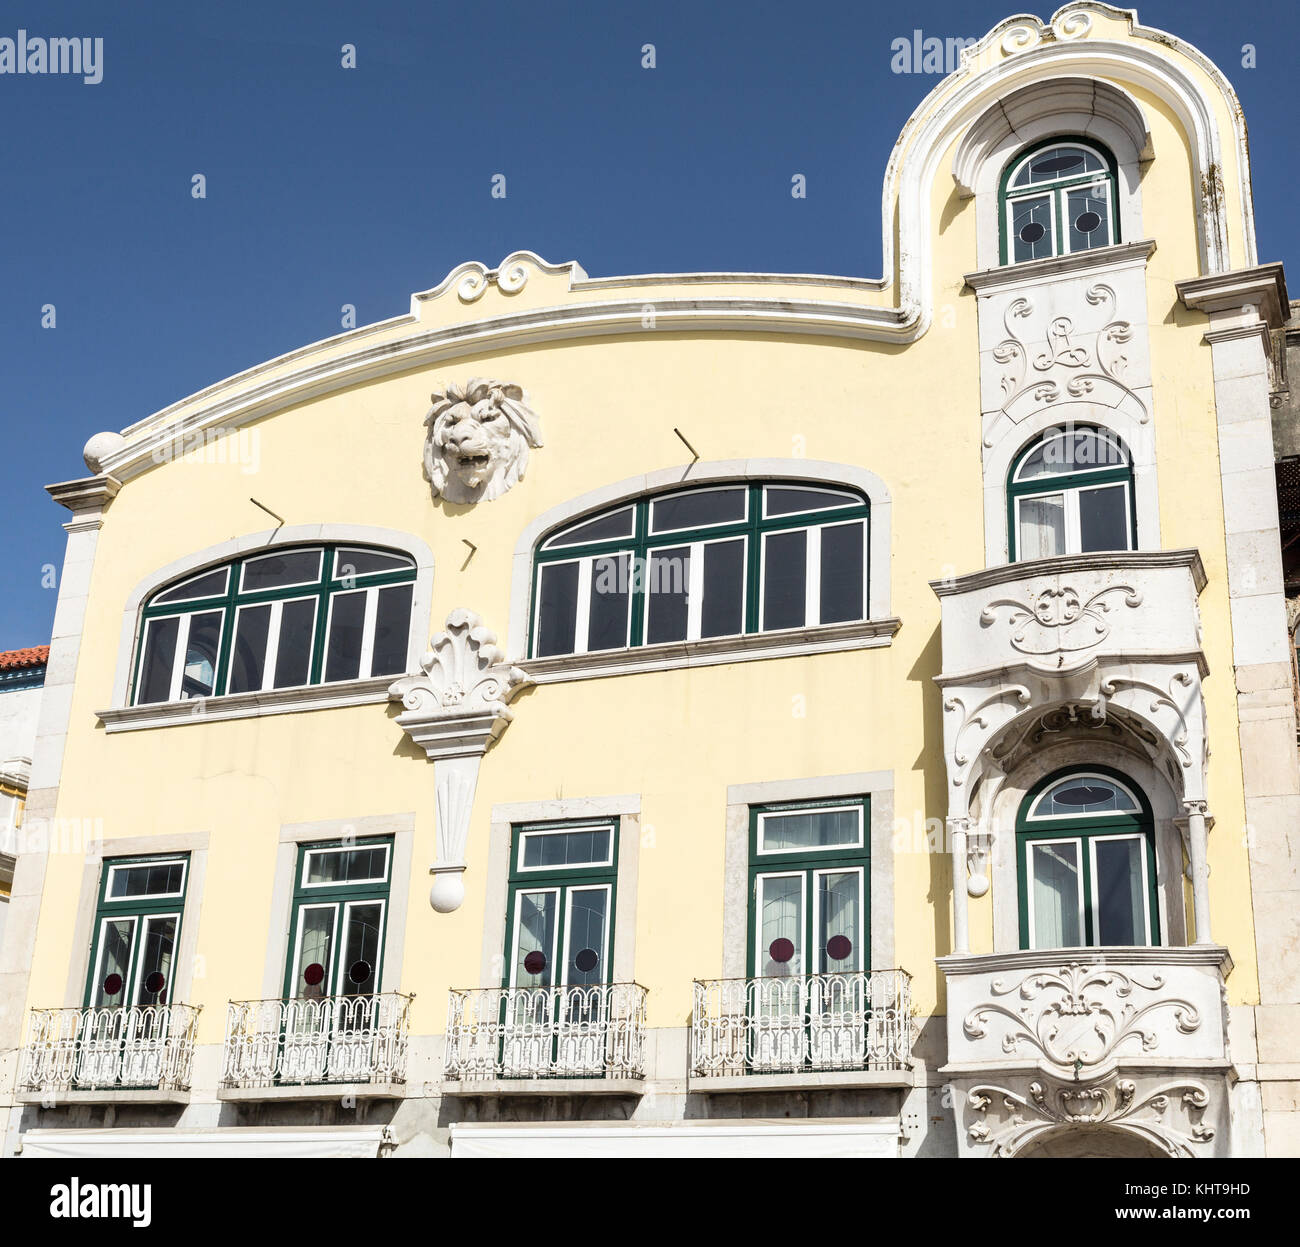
(1056, 896)
(1042, 527)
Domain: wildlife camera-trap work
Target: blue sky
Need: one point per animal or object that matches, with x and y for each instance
(328, 186)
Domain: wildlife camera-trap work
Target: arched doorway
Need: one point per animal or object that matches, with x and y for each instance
(1091, 1143)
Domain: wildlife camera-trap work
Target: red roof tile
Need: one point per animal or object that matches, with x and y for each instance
(33, 656)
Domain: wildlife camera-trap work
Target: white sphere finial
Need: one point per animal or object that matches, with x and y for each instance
(100, 446)
(448, 892)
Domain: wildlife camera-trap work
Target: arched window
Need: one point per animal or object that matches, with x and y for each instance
(1071, 492)
(293, 616)
(1085, 848)
(1058, 197)
(714, 561)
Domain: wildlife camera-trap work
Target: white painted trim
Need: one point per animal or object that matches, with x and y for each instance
(294, 534)
(739, 470)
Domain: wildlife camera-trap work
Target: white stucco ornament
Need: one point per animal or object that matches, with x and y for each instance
(477, 440)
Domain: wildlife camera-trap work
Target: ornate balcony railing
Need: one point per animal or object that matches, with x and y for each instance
(802, 1024)
(147, 1047)
(546, 1032)
(329, 1039)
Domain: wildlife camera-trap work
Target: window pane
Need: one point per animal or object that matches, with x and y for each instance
(781, 500)
(155, 979)
(248, 662)
(695, 510)
(1056, 163)
(363, 931)
(364, 865)
(159, 658)
(1031, 228)
(534, 938)
(1055, 894)
(668, 579)
(146, 879)
(1042, 527)
(785, 574)
(722, 613)
(1083, 794)
(839, 908)
(347, 622)
(271, 571)
(1078, 450)
(1120, 880)
(200, 675)
(611, 594)
(367, 563)
(780, 925)
(584, 846)
(208, 585)
(116, 939)
(557, 609)
(605, 528)
(315, 948)
(809, 829)
(841, 582)
(1103, 518)
(588, 916)
(392, 631)
(297, 635)
(1088, 210)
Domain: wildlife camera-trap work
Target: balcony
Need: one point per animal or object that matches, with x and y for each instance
(1090, 1051)
(316, 1048)
(546, 1040)
(819, 1031)
(142, 1054)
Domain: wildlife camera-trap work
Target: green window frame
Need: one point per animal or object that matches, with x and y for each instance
(1041, 212)
(332, 622)
(1088, 496)
(1073, 848)
(337, 926)
(554, 907)
(137, 931)
(637, 574)
(802, 914)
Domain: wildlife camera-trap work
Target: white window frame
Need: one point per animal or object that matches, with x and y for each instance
(165, 598)
(1073, 524)
(569, 891)
(137, 863)
(370, 613)
(1144, 867)
(860, 932)
(182, 646)
(558, 542)
(318, 551)
(554, 891)
(740, 487)
(1031, 845)
(529, 833)
(1074, 777)
(850, 499)
(345, 848)
(812, 572)
(695, 586)
(1056, 196)
(760, 953)
(858, 843)
(341, 926)
(582, 618)
(272, 656)
(407, 563)
(296, 963)
(1010, 203)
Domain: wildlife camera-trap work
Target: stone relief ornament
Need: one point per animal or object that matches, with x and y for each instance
(477, 439)
(1058, 621)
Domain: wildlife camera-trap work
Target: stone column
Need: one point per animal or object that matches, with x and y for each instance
(1197, 858)
(957, 831)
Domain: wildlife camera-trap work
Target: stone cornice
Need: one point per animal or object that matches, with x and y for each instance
(1262, 287)
(1072, 564)
(1029, 272)
(1049, 958)
(87, 498)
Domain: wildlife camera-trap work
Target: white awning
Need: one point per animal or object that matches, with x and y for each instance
(221, 1141)
(704, 1140)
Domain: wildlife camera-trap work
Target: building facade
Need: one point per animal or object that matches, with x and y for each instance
(22, 674)
(698, 715)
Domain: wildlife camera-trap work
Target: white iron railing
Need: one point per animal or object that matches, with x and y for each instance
(802, 1023)
(146, 1047)
(329, 1039)
(595, 1031)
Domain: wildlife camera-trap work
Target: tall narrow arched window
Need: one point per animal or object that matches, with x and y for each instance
(713, 561)
(1058, 197)
(1071, 492)
(1085, 849)
(276, 619)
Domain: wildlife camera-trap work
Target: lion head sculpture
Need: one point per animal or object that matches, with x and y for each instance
(477, 440)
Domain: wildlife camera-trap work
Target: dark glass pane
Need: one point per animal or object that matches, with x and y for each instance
(1031, 228)
(248, 662)
(588, 912)
(159, 657)
(155, 974)
(361, 941)
(200, 675)
(668, 580)
(343, 650)
(146, 879)
(347, 865)
(208, 585)
(392, 631)
(790, 501)
(604, 528)
(785, 575)
(695, 510)
(1120, 884)
(1087, 208)
(297, 635)
(841, 573)
(611, 593)
(367, 563)
(117, 937)
(557, 610)
(583, 846)
(1103, 524)
(722, 612)
(273, 570)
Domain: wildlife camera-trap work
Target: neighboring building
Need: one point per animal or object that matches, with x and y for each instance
(858, 718)
(22, 673)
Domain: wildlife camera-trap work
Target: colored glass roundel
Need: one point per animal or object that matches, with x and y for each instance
(586, 960)
(838, 947)
(535, 962)
(1086, 222)
(1032, 232)
(155, 982)
(781, 950)
(313, 974)
(359, 971)
(112, 985)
